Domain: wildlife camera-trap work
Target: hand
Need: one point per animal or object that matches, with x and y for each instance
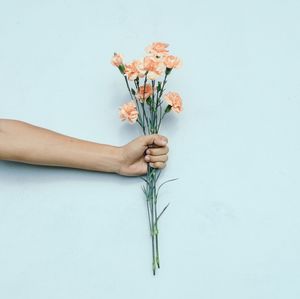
(136, 154)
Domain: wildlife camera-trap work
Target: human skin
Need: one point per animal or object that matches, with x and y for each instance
(27, 143)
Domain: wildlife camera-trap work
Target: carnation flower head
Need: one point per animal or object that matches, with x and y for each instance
(117, 59)
(174, 100)
(154, 67)
(172, 62)
(144, 92)
(128, 112)
(135, 70)
(158, 49)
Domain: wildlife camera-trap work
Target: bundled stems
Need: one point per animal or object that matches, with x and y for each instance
(152, 176)
(148, 110)
(150, 117)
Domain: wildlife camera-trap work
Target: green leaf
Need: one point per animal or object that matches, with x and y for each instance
(145, 180)
(145, 191)
(168, 181)
(158, 174)
(162, 212)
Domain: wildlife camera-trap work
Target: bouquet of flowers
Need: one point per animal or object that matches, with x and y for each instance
(146, 82)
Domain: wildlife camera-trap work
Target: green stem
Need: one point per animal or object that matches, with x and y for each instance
(150, 180)
(152, 119)
(156, 114)
(161, 118)
(156, 225)
(143, 105)
(133, 98)
(159, 102)
(146, 117)
(152, 111)
(137, 85)
(163, 86)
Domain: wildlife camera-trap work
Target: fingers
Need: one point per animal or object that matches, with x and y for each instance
(155, 139)
(160, 140)
(154, 159)
(159, 165)
(157, 151)
(157, 161)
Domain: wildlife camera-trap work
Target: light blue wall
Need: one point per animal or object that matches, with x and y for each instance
(232, 230)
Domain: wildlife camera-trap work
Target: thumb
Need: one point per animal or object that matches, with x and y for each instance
(155, 139)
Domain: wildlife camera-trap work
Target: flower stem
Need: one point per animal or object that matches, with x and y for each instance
(143, 105)
(150, 180)
(156, 225)
(150, 119)
(133, 98)
(163, 85)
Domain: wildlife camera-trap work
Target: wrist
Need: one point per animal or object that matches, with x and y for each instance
(110, 159)
(117, 159)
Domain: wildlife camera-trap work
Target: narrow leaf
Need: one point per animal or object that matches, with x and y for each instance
(144, 190)
(144, 180)
(159, 172)
(171, 180)
(162, 212)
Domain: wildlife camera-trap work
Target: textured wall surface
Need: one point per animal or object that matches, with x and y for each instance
(232, 230)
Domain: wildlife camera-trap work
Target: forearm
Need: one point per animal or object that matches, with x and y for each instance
(22, 142)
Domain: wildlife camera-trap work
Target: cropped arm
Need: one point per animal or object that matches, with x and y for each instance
(26, 143)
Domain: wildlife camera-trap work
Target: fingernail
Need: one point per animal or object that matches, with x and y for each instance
(163, 142)
(151, 164)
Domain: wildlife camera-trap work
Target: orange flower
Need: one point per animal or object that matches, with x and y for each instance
(158, 49)
(144, 93)
(117, 59)
(154, 67)
(134, 70)
(174, 100)
(171, 62)
(128, 112)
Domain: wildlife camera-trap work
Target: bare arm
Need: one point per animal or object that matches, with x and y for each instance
(23, 142)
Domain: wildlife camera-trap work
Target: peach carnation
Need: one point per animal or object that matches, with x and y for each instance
(174, 100)
(158, 49)
(134, 70)
(172, 62)
(144, 92)
(117, 60)
(128, 112)
(154, 67)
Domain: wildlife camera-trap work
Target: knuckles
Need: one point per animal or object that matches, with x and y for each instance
(157, 159)
(156, 151)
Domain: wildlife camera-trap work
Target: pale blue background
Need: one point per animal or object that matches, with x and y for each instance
(232, 230)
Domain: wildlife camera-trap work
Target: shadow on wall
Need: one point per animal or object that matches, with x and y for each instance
(12, 173)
